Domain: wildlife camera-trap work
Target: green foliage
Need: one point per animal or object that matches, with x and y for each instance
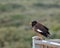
(12, 20)
(15, 16)
(16, 37)
(46, 5)
(56, 27)
(9, 7)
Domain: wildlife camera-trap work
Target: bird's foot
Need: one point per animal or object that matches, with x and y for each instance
(38, 38)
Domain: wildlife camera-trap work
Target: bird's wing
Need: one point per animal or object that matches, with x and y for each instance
(39, 30)
(42, 33)
(45, 27)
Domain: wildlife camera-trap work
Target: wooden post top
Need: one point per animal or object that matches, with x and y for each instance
(44, 41)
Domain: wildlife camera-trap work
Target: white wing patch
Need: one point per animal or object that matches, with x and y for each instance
(39, 30)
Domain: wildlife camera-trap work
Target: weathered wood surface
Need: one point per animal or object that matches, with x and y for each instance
(43, 43)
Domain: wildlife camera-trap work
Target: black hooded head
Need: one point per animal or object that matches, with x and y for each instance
(34, 23)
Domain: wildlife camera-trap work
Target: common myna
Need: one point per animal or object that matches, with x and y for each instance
(40, 29)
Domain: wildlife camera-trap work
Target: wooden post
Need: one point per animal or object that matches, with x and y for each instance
(33, 43)
(43, 43)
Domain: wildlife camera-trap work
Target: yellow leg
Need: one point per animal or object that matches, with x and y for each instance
(39, 35)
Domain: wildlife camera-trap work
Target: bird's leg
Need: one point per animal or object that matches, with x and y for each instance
(40, 36)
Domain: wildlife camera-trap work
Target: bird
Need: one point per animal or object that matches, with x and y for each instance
(40, 29)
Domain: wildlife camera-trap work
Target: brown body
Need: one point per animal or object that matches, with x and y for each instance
(45, 30)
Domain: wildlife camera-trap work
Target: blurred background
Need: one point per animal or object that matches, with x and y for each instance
(15, 16)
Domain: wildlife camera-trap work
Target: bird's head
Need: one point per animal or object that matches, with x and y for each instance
(34, 23)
